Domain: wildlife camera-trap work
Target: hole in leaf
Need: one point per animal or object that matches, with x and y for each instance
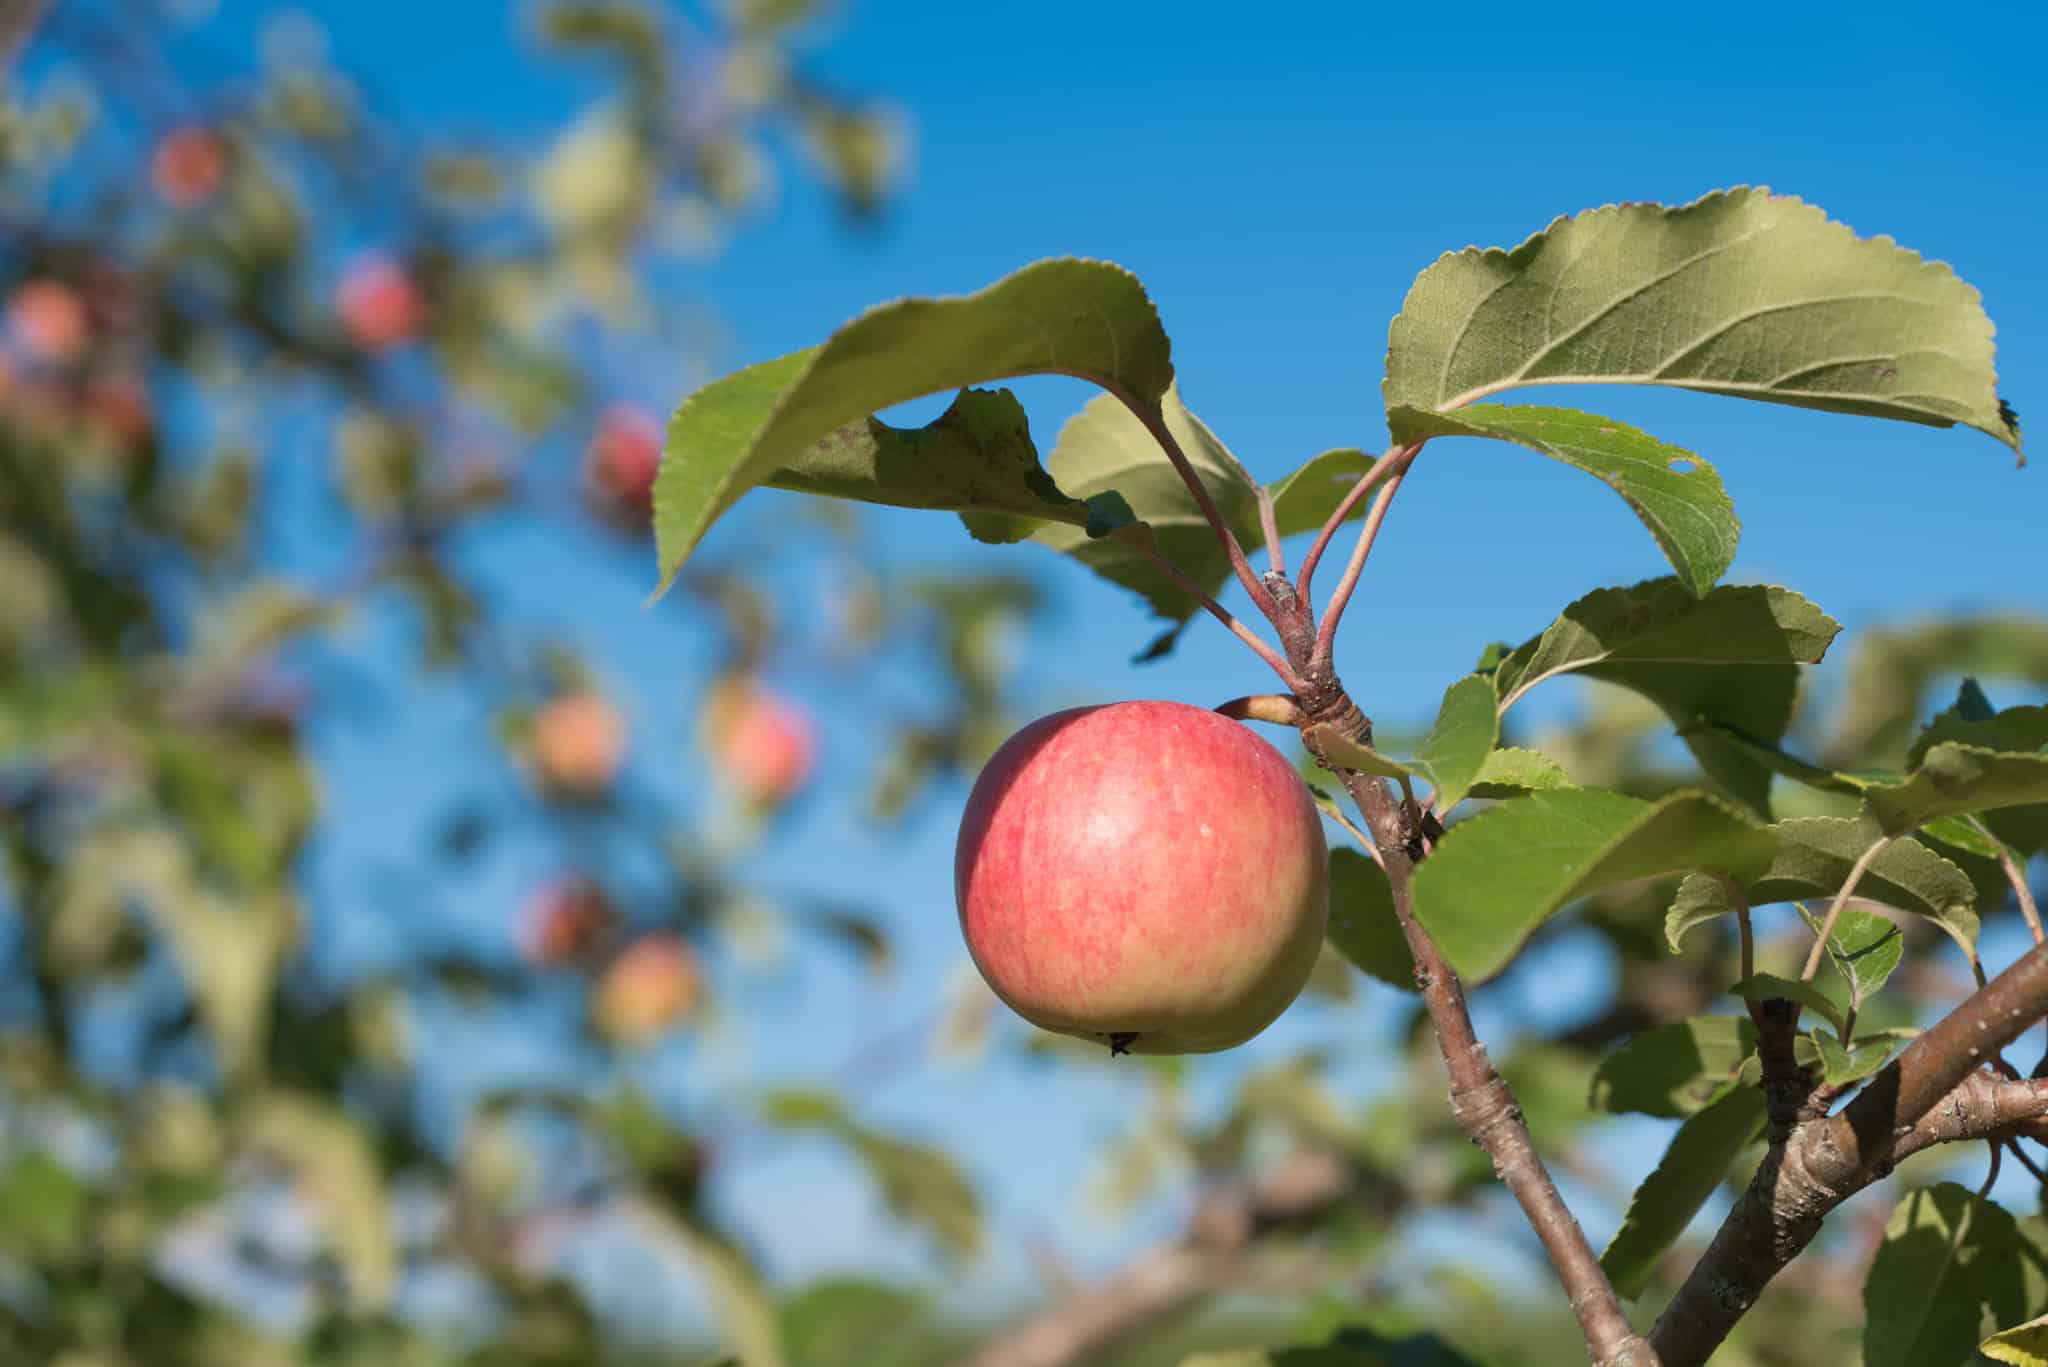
(1682, 466)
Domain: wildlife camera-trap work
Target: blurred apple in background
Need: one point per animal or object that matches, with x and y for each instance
(188, 166)
(651, 986)
(579, 742)
(47, 319)
(561, 920)
(765, 744)
(379, 304)
(619, 466)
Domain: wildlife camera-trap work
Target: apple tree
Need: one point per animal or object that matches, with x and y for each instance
(1795, 1047)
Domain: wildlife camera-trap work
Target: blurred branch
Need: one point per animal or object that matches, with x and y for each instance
(18, 20)
(1936, 1092)
(1213, 1254)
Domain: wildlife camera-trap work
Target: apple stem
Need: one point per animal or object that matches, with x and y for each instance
(1155, 422)
(1397, 462)
(1222, 614)
(1278, 709)
(1269, 524)
(1328, 533)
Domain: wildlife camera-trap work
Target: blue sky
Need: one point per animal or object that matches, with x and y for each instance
(1277, 185)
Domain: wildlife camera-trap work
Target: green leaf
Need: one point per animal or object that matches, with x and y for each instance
(1699, 1157)
(1891, 671)
(923, 1185)
(1814, 856)
(1763, 987)
(1304, 500)
(1457, 746)
(1671, 1071)
(845, 1322)
(1731, 657)
(740, 1298)
(1840, 1066)
(1363, 758)
(1088, 319)
(1495, 877)
(2022, 730)
(1678, 496)
(1450, 757)
(1362, 925)
(1742, 292)
(48, 1210)
(333, 1157)
(2024, 1345)
(976, 459)
(1351, 1346)
(1782, 762)
(1508, 772)
(1105, 448)
(1947, 1274)
(1864, 949)
(1953, 779)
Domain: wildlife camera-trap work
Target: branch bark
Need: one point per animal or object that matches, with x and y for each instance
(1935, 1092)
(1209, 1255)
(1482, 1102)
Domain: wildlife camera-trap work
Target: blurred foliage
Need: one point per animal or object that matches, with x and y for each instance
(257, 309)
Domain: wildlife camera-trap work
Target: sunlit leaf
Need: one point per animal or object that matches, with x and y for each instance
(1742, 292)
(1678, 496)
(1494, 878)
(1813, 858)
(332, 1155)
(1083, 318)
(1731, 657)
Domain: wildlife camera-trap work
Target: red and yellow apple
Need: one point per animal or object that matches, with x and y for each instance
(620, 463)
(579, 742)
(767, 745)
(560, 920)
(1148, 875)
(49, 321)
(653, 984)
(188, 166)
(379, 304)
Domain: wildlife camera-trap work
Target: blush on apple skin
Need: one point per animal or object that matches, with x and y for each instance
(1146, 874)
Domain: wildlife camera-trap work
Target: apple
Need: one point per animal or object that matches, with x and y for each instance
(48, 319)
(765, 743)
(188, 166)
(620, 463)
(379, 304)
(579, 742)
(560, 919)
(120, 409)
(1148, 875)
(654, 983)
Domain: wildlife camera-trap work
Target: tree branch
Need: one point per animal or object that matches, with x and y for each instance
(1204, 1258)
(1482, 1102)
(1933, 1093)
